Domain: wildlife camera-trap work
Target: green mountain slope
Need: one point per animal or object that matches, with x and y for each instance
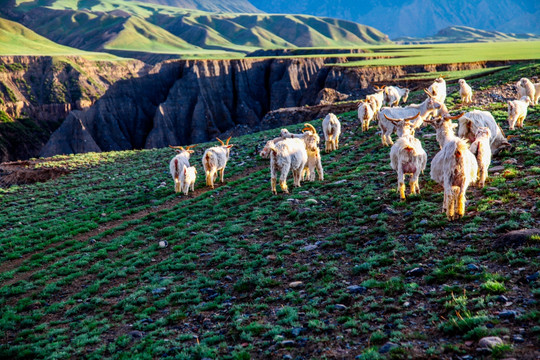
(112, 25)
(463, 34)
(16, 39)
(108, 262)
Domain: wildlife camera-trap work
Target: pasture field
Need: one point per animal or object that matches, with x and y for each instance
(339, 268)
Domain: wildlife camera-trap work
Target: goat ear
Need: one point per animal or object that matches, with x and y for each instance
(229, 146)
(190, 151)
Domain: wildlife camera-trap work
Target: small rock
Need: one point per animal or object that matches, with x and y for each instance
(339, 182)
(271, 257)
(389, 210)
(163, 244)
(311, 202)
(296, 284)
(297, 331)
(508, 314)
(473, 267)
(496, 168)
(419, 271)
(510, 161)
(489, 342)
(136, 334)
(303, 192)
(287, 357)
(158, 290)
(532, 277)
(406, 304)
(340, 307)
(423, 222)
(356, 289)
(515, 238)
(374, 216)
(518, 338)
(287, 343)
(502, 298)
(388, 347)
(310, 247)
(92, 241)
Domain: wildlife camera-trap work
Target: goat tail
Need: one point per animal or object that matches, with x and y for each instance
(176, 171)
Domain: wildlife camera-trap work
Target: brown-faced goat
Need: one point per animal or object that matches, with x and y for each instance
(286, 155)
(215, 159)
(407, 156)
(482, 151)
(455, 168)
(517, 112)
(177, 165)
(332, 130)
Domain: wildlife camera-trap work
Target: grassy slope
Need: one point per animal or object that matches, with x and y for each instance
(16, 39)
(82, 273)
(450, 53)
(70, 22)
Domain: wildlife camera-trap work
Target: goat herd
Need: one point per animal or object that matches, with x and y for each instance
(462, 160)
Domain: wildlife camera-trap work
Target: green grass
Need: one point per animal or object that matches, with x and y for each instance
(450, 53)
(15, 39)
(83, 274)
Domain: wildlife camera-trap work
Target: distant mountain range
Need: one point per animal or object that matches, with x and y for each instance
(463, 34)
(419, 18)
(132, 28)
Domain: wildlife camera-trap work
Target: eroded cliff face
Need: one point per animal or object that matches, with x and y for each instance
(38, 92)
(192, 101)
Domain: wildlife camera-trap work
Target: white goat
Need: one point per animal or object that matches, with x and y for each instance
(332, 130)
(393, 94)
(465, 91)
(407, 156)
(426, 108)
(455, 168)
(482, 151)
(438, 89)
(285, 134)
(517, 111)
(377, 98)
(471, 121)
(528, 89)
(366, 112)
(177, 165)
(536, 93)
(286, 155)
(265, 152)
(190, 175)
(521, 92)
(311, 141)
(215, 159)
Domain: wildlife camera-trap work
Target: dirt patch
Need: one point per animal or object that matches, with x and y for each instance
(26, 172)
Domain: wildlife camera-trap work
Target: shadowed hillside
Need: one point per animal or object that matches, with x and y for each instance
(461, 34)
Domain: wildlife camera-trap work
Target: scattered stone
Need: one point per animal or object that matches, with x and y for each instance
(473, 267)
(518, 338)
(429, 136)
(209, 293)
(356, 289)
(389, 210)
(296, 284)
(285, 343)
(303, 192)
(389, 346)
(158, 290)
(92, 241)
(489, 342)
(374, 216)
(193, 233)
(136, 334)
(163, 244)
(271, 257)
(423, 222)
(502, 298)
(419, 271)
(340, 307)
(496, 168)
(515, 238)
(339, 182)
(510, 161)
(310, 247)
(297, 331)
(294, 201)
(311, 202)
(287, 357)
(532, 277)
(508, 314)
(406, 304)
